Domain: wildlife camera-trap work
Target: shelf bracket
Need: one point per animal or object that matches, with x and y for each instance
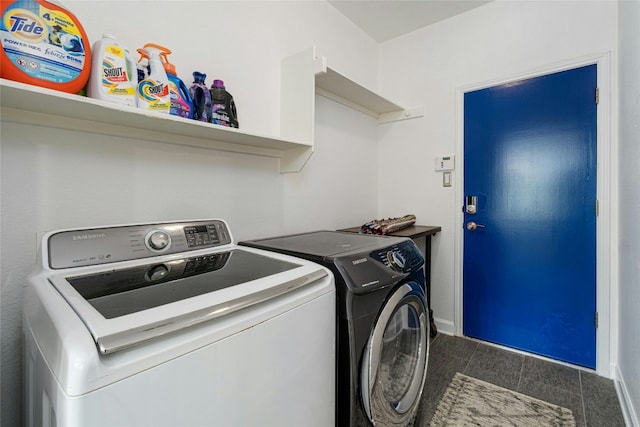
(297, 102)
(396, 116)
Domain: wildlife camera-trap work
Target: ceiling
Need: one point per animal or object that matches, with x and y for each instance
(384, 20)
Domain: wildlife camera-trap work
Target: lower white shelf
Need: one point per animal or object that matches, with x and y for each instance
(38, 106)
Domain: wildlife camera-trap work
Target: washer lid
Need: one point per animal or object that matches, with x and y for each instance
(125, 306)
(116, 293)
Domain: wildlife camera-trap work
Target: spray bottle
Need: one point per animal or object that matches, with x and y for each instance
(153, 90)
(181, 104)
(143, 69)
(113, 73)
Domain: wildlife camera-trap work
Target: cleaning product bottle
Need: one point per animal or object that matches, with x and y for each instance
(223, 108)
(143, 68)
(43, 44)
(181, 104)
(153, 91)
(201, 97)
(114, 76)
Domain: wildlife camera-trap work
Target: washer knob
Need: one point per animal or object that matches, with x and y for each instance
(158, 240)
(157, 272)
(396, 260)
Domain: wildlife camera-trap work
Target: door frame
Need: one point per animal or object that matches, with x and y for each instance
(607, 189)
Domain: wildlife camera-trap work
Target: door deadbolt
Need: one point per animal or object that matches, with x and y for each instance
(471, 205)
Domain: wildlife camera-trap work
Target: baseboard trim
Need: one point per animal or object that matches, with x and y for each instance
(628, 411)
(445, 326)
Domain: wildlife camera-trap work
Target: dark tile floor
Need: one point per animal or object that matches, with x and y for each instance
(591, 398)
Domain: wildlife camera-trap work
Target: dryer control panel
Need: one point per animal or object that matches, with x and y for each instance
(95, 246)
(383, 267)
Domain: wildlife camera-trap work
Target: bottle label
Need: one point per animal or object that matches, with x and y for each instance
(154, 95)
(43, 43)
(115, 79)
(201, 102)
(219, 115)
(179, 107)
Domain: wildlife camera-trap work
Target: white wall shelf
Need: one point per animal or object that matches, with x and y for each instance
(34, 105)
(302, 76)
(306, 74)
(333, 85)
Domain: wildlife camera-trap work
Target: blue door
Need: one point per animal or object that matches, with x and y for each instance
(529, 279)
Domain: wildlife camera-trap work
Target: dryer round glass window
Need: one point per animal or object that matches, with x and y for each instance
(395, 360)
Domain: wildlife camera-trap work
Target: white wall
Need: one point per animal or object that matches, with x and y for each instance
(52, 179)
(499, 40)
(629, 317)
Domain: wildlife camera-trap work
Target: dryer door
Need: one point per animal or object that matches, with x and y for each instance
(395, 360)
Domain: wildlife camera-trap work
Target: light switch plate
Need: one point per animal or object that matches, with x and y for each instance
(446, 179)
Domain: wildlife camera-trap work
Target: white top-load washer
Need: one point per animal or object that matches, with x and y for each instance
(172, 324)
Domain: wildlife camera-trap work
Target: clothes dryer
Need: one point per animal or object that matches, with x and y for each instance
(382, 321)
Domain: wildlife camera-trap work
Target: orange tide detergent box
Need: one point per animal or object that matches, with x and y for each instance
(43, 44)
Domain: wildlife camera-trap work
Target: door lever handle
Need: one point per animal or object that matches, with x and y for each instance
(472, 226)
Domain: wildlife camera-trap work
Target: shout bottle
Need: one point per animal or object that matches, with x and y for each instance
(180, 98)
(153, 90)
(113, 73)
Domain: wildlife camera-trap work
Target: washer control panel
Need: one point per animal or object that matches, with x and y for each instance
(201, 235)
(94, 246)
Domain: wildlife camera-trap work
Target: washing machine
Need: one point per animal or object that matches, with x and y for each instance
(173, 324)
(382, 321)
